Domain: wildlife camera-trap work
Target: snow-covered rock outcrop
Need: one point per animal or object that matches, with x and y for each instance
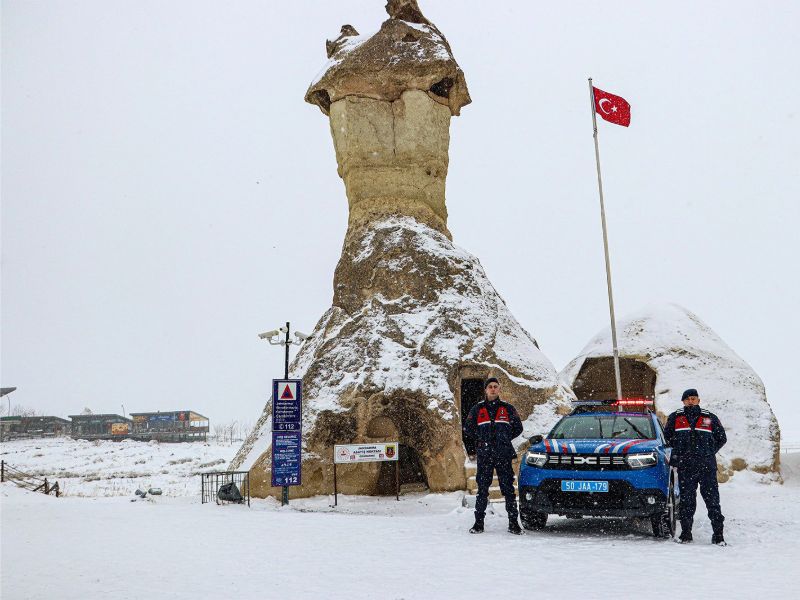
(685, 353)
(413, 316)
(398, 352)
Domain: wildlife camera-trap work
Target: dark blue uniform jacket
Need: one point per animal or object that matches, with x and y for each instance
(492, 425)
(694, 433)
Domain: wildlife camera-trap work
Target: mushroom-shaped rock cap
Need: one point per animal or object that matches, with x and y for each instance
(407, 53)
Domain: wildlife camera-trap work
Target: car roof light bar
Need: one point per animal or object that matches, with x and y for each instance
(620, 405)
(634, 402)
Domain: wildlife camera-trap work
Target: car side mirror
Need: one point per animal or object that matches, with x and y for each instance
(535, 439)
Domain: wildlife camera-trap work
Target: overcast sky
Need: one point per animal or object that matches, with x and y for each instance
(167, 194)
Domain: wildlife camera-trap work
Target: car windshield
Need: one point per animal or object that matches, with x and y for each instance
(601, 427)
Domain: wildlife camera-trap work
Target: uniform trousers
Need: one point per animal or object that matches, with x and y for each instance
(487, 465)
(694, 471)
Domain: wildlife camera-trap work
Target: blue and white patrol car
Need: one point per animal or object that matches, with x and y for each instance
(608, 459)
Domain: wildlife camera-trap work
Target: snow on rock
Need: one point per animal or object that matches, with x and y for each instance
(404, 344)
(685, 353)
(407, 53)
(412, 314)
(399, 351)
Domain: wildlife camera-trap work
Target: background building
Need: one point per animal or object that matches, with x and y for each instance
(107, 426)
(19, 427)
(175, 426)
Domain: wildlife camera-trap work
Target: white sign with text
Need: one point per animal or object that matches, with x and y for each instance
(355, 453)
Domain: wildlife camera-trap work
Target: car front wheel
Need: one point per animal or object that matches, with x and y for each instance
(534, 520)
(664, 522)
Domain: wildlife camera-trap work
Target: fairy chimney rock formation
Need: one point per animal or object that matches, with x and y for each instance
(390, 97)
(415, 324)
(665, 349)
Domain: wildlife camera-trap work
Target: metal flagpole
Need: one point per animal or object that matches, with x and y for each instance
(605, 245)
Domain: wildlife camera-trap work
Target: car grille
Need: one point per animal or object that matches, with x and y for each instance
(586, 462)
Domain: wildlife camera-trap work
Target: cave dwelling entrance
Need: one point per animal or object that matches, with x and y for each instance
(596, 381)
(411, 470)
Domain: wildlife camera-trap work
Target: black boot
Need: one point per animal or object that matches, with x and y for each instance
(477, 527)
(686, 532)
(513, 514)
(717, 538)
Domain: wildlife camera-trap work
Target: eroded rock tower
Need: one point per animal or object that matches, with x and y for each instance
(415, 325)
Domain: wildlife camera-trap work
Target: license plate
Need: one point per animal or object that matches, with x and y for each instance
(583, 486)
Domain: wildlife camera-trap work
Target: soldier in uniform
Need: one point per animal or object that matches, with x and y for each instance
(696, 435)
(491, 425)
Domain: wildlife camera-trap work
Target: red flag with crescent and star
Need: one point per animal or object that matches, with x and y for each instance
(614, 109)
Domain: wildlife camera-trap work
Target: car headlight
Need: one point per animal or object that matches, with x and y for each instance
(536, 459)
(639, 461)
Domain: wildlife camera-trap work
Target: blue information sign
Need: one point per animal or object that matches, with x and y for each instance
(287, 431)
(286, 456)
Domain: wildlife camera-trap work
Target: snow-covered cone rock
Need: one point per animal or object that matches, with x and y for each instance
(666, 349)
(413, 315)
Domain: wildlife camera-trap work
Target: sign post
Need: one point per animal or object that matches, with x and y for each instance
(287, 434)
(359, 453)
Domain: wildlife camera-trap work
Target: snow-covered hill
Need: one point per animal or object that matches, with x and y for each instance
(108, 468)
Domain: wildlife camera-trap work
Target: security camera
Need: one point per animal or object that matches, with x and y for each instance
(301, 336)
(268, 334)
(282, 329)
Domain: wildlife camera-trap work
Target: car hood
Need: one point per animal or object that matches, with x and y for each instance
(614, 446)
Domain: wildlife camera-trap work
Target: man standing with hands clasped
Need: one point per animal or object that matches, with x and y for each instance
(695, 436)
(492, 424)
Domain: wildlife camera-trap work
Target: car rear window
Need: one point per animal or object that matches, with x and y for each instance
(602, 427)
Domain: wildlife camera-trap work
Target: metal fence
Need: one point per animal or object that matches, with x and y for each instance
(27, 481)
(225, 487)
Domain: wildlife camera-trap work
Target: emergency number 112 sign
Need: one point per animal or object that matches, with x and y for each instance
(287, 431)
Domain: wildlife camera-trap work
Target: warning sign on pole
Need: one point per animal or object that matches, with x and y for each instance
(287, 431)
(287, 398)
(289, 390)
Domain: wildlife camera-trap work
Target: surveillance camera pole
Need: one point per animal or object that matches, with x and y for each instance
(286, 342)
(286, 376)
(285, 494)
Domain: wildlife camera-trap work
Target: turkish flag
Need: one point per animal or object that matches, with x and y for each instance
(614, 109)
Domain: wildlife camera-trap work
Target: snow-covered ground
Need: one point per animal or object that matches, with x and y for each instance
(108, 468)
(175, 547)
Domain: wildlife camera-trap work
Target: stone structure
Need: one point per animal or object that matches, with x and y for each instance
(415, 325)
(665, 349)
